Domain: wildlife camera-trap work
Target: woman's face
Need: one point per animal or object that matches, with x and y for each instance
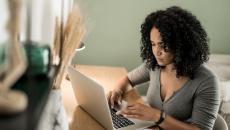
(163, 58)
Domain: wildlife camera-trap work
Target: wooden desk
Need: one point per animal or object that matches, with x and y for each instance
(107, 77)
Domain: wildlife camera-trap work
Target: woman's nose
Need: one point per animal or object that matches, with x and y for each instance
(158, 51)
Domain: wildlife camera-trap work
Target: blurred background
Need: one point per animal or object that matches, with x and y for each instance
(113, 28)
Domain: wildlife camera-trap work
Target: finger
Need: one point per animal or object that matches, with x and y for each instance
(118, 112)
(123, 112)
(135, 106)
(119, 100)
(108, 97)
(131, 106)
(132, 116)
(113, 99)
(129, 112)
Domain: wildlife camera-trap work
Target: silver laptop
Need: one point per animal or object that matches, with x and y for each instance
(91, 97)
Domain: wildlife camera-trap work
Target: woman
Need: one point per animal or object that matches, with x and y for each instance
(182, 93)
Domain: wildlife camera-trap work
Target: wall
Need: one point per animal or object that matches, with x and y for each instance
(3, 22)
(113, 28)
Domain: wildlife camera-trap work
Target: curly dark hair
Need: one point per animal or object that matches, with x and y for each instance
(182, 35)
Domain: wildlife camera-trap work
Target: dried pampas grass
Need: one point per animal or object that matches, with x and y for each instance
(72, 35)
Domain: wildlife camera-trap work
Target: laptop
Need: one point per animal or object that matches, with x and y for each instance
(91, 97)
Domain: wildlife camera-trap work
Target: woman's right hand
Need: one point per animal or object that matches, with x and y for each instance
(115, 97)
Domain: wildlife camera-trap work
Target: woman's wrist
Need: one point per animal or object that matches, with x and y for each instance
(119, 91)
(162, 117)
(122, 85)
(156, 115)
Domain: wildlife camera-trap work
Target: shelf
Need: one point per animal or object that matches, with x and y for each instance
(37, 88)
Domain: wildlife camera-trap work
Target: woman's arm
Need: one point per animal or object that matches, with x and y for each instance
(143, 112)
(203, 116)
(122, 84)
(171, 123)
(138, 75)
(115, 96)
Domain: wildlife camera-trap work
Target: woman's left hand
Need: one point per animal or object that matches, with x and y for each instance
(141, 112)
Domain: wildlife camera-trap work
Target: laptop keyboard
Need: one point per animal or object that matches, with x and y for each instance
(119, 121)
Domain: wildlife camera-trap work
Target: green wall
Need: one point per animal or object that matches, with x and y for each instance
(113, 28)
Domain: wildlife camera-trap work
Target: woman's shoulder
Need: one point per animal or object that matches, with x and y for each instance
(203, 73)
(155, 71)
(206, 78)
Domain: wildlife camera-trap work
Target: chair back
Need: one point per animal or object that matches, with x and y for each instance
(220, 123)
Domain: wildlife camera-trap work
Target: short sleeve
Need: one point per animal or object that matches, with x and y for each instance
(206, 104)
(139, 75)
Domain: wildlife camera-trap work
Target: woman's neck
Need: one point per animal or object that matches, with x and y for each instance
(170, 68)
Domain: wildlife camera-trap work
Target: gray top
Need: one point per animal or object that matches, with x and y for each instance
(197, 101)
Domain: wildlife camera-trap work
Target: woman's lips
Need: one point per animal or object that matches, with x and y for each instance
(159, 59)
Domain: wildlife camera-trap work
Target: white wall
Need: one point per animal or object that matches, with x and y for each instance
(3, 20)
